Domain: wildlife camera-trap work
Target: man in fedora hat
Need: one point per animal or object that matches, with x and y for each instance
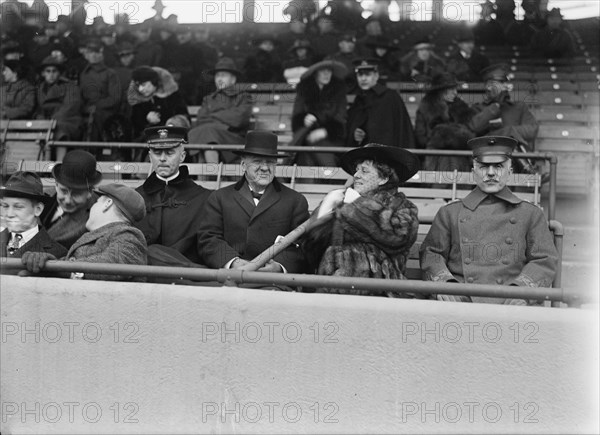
(491, 236)
(69, 210)
(466, 62)
(58, 98)
(499, 115)
(242, 220)
(173, 201)
(111, 236)
(224, 116)
(553, 41)
(378, 113)
(22, 199)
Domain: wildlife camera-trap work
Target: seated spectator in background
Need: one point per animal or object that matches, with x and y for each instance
(384, 50)
(300, 10)
(366, 230)
(466, 63)
(421, 64)
(17, 95)
(263, 66)
(59, 98)
(373, 28)
(242, 220)
(442, 124)
(487, 30)
(378, 114)
(108, 37)
(347, 55)
(22, 199)
(66, 215)
(224, 116)
(173, 201)
(112, 238)
(553, 41)
(319, 115)
(324, 37)
(66, 38)
(301, 57)
(100, 91)
(296, 31)
(457, 246)
(148, 51)
(154, 98)
(124, 69)
(498, 115)
(39, 47)
(186, 63)
(209, 55)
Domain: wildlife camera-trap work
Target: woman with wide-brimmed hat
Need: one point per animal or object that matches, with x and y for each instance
(441, 123)
(319, 115)
(366, 230)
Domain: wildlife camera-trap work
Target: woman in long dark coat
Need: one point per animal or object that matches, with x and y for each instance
(319, 115)
(366, 230)
(441, 124)
(17, 99)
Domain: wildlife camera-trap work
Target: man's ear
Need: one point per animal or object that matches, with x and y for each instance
(38, 209)
(182, 157)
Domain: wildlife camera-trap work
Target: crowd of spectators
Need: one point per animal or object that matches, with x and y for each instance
(109, 82)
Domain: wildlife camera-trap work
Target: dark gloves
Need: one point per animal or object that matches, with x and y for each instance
(35, 261)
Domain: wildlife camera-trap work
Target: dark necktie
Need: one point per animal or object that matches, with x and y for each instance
(256, 195)
(15, 243)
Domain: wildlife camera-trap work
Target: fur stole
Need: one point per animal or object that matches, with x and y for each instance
(167, 86)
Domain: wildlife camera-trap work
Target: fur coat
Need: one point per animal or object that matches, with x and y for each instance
(167, 101)
(368, 238)
(443, 126)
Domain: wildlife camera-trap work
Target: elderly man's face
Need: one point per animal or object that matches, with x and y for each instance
(492, 177)
(224, 79)
(20, 214)
(367, 79)
(71, 200)
(259, 171)
(165, 162)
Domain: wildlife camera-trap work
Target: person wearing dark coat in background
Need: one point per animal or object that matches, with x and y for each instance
(242, 220)
(441, 124)
(324, 37)
(487, 30)
(210, 56)
(553, 41)
(466, 63)
(59, 98)
(378, 113)
(65, 217)
(264, 66)
(347, 55)
(366, 230)
(22, 199)
(491, 236)
(224, 116)
(498, 115)
(384, 51)
(421, 63)
(155, 99)
(100, 91)
(301, 57)
(186, 63)
(148, 52)
(17, 95)
(174, 202)
(319, 115)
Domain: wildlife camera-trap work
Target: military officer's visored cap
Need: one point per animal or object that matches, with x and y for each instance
(368, 64)
(165, 136)
(492, 149)
(498, 72)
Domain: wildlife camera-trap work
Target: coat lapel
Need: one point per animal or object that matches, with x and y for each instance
(270, 198)
(244, 199)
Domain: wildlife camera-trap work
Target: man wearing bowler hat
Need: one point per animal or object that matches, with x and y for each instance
(111, 236)
(173, 201)
(66, 215)
(242, 220)
(378, 113)
(22, 199)
(491, 236)
(224, 117)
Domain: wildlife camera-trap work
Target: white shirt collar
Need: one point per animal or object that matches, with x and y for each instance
(26, 235)
(166, 180)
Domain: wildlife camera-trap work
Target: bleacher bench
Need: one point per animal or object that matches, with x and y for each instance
(23, 140)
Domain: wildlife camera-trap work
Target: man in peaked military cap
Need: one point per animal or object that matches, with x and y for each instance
(491, 236)
(173, 200)
(378, 113)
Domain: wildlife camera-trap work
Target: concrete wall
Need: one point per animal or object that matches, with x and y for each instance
(96, 357)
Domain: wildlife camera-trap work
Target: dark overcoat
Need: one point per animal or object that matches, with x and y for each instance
(17, 100)
(368, 238)
(328, 105)
(468, 70)
(173, 209)
(70, 226)
(381, 113)
(41, 242)
(234, 227)
(61, 101)
(490, 239)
